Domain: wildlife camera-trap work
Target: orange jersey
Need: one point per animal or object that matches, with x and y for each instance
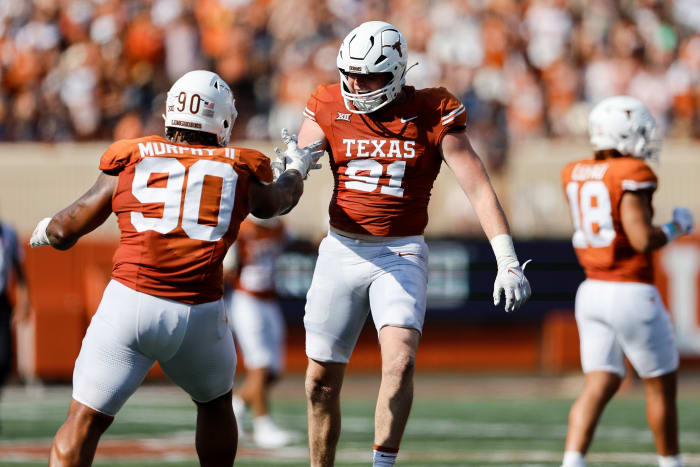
(594, 190)
(179, 208)
(258, 246)
(384, 165)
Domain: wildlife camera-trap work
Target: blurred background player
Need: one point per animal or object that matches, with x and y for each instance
(164, 302)
(618, 309)
(387, 142)
(257, 323)
(11, 272)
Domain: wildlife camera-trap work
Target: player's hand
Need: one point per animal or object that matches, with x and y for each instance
(39, 237)
(511, 282)
(279, 164)
(301, 159)
(683, 218)
(681, 224)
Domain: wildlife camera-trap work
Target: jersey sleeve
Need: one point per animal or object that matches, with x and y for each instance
(638, 177)
(452, 114)
(116, 157)
(317, 107)
(257, 164)
(312, 106)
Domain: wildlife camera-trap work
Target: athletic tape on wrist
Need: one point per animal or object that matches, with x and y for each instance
(504, 251)
(671, 230)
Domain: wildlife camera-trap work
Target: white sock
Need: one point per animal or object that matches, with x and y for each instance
(383, 458)
(238, 406)
(573, 459)
(670, 461)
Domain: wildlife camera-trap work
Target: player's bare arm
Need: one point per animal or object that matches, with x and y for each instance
(309, 132)
(636, 216)
(636, 222)
(277, 198)
(83, 216)
(471, 175)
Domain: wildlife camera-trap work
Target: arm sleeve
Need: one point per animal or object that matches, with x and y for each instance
(116, 157)
(313, 105)
(452, 113)
(258, 164)
(639, 178)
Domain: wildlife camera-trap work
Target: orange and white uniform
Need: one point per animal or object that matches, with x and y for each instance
(594, 190)
(252, 307)
(618, 310)
(384, 165)
(179, 208)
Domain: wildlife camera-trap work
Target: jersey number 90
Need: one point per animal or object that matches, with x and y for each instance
(170, 197)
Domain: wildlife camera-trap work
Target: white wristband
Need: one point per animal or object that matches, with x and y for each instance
(504, 251)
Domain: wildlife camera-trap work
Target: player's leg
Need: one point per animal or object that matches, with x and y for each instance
(398, 347)
(662, 416)
(76, 441)
(255, 390)
(603, 364)
(107, 371)
(397, 300)
(337, 305)
(647, 338)
(599, 388)
(323, 383)
(259, 329)
(203, 365)
(216, 437)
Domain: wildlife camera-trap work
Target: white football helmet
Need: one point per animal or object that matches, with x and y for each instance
(200, 100)
(372, 47)
(623, 123)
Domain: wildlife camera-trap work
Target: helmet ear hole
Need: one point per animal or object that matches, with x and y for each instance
(225, 123)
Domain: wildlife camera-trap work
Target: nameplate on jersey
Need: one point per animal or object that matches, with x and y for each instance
(392, 148)
(155, 148)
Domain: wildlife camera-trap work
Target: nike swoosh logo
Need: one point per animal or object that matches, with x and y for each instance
(514, 273)
(405, 120)
(406, 254)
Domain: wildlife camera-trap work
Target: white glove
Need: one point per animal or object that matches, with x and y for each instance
(512, 282)
(279, 165)
(681, 224)
(300, 159)
(39, 237)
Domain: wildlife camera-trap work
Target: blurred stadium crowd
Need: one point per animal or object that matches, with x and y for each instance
(98, 69)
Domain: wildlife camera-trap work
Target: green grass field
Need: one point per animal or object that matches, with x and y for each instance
(456, 421)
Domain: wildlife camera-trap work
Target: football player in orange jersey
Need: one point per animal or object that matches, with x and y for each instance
(618, 309)
(254, 314)
(179, 202)
(387, 142)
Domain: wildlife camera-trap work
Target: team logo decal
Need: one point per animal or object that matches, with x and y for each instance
(397, 47)
(342, 116)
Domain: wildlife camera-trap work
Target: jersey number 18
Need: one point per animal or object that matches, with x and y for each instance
(591, 212)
